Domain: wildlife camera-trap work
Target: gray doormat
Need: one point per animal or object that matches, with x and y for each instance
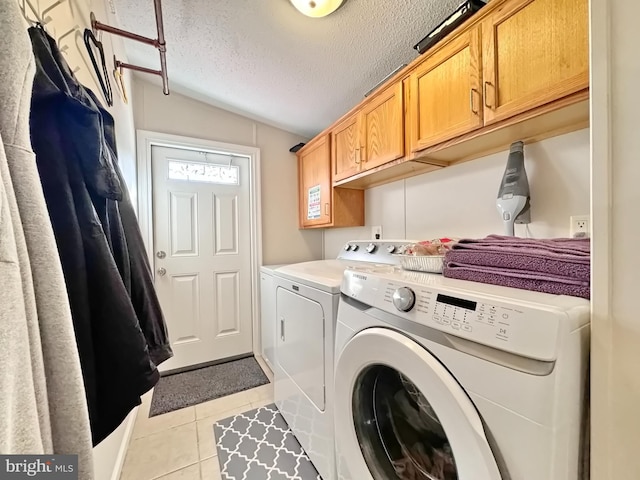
(185, 389)
(258, 445)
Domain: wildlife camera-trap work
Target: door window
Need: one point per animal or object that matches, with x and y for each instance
(398, 430)
(203, 172)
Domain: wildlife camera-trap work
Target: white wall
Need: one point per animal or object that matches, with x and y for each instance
(282, 241)
(615, 379)
(108, 455)
(461, 200)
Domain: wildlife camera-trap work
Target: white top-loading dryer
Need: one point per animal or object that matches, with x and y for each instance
(446, 379)
(307, 297)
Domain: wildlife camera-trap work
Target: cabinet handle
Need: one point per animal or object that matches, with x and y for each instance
(485, 95)
(326, 209)
(357, 156)
(362, 149)
(282, 328)
(471, 102)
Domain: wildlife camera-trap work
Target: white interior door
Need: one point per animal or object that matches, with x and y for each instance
(202, 242)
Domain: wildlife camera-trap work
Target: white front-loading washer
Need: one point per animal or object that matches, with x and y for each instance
(442, 379)
(307, 296)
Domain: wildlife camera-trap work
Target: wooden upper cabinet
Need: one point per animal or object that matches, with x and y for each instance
(346, 151)
(314, 171)
(370, 137)
(445, 92)
(382, 128)
(534, 52)
(519, 69)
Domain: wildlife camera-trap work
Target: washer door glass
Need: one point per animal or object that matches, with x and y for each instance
(398, 430)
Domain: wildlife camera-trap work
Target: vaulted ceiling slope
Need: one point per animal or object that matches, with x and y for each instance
(265, 60)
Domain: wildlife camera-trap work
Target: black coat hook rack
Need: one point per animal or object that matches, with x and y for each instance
(158, 43)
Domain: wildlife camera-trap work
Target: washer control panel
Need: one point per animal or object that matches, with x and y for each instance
(464, 315)
(460, 316)
(519, 327)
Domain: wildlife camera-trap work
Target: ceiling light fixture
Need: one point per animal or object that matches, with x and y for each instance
(316, 8)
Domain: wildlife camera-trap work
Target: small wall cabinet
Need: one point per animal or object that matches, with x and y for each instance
(322, 205)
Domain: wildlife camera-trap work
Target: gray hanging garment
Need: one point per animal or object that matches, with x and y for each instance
(43, 408)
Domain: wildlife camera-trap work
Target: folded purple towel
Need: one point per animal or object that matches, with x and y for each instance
(577, 249)
(564, 257)
(515, 273)
(523, 260)
(539, 283)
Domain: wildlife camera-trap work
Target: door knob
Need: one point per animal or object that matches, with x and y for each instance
(161, 254)
(162, 271)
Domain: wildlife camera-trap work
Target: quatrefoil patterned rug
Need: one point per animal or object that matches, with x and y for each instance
(258, 445)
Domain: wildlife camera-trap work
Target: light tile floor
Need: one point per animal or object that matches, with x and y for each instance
(180, 445)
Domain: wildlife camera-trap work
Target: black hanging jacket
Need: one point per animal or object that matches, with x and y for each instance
(142, 291)
(121, 227)
(75, 169)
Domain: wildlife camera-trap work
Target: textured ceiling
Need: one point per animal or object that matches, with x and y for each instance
(265, 60)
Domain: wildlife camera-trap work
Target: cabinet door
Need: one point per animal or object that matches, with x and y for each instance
(382, 128)
(534, 52)
(445, 93)
(314, 169)
(345, 158)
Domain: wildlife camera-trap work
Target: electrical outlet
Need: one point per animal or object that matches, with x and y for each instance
(579, 226)
(376, 232)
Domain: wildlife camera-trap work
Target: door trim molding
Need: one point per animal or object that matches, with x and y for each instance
(606, 385)
(145, 140)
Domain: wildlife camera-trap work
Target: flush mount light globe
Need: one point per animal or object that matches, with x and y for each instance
(316, 8)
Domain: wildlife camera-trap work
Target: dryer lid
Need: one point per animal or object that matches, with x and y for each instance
(325, 275)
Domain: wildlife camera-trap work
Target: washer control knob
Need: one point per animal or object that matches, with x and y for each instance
(391, 248)
(404, 299)
(371, 248)
(347, 247)
(354, 247)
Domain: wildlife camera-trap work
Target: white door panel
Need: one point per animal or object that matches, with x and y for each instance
(227, 291)
(184, 223)
(226, 224)
(202, 241)
(186, 295)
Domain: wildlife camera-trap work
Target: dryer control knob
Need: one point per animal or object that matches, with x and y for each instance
(354, 247)
(347, 247)
(404, 299)
(371, 248)
(391, 248)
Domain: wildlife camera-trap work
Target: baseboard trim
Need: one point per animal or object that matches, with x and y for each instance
(124, 446)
